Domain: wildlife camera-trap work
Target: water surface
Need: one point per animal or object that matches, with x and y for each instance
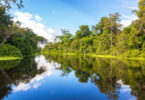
(46, 77)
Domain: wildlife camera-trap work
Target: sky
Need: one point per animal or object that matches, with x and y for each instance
(47, 17)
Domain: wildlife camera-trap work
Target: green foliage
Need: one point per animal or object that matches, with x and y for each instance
(9, 50)
(107, 38)
(141, 12)
(26, 41)
(11, 33)
(4, 18)
(132, 53)
(83, 32)
(16, 71)
(107, 74)
(8, 3)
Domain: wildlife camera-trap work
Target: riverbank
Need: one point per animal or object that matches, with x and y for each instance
(99, 56)
(9, 58)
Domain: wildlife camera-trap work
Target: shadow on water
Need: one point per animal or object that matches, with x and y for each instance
(109, 75)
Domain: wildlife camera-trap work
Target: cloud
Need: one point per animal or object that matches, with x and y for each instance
(22, 87)
(127, 19)
(125, 89)
(33, 22)
(38, 18)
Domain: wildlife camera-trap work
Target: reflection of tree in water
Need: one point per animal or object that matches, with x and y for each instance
(134, 75)
(24, 71)
(105, 73)
(5, 89)
(6, 65)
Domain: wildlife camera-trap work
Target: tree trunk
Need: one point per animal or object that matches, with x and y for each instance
(4, 40)
(111, 38)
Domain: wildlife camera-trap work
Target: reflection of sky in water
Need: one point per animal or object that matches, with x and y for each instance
(36, 81)
(50, 85)
(124, 91)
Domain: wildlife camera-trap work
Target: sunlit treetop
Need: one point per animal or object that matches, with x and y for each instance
(141, 12)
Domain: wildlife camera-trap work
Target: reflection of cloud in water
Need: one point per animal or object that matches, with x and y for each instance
(35, 82)
(22, 87)
(36, 85)
(124, 88)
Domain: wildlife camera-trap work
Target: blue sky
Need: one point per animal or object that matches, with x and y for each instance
(70, 14)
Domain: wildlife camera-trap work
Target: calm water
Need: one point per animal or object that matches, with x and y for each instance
(72, 78)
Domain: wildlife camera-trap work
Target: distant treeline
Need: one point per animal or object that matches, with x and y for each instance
(14, 40)
(105, 38)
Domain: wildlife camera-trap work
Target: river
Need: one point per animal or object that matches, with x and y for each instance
(63, 77)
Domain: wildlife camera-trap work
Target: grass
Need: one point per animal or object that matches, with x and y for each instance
(9, 58)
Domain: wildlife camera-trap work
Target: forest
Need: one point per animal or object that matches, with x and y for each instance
(108, 37)
(102, 62)
(16, 41)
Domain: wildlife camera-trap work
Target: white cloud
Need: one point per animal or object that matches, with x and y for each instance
(33, 22)
(127, 19)
(126, 7)
(38, 18)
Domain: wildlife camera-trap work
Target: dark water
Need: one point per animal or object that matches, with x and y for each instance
(72, 78)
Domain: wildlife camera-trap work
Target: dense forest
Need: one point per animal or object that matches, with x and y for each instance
(108, 37)
(14, 40)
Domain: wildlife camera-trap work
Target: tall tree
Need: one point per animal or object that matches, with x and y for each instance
(83, 31)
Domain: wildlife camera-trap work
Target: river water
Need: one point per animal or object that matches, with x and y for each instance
(47, 77)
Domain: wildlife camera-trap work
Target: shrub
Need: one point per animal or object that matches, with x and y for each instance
(9, 50)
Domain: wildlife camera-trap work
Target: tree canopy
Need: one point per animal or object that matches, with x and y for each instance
(107, 37)
(22, 40)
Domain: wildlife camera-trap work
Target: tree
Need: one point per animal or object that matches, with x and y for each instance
(114, 26)
(66, 35)
(8, 3)
(141, 12)
(83, 31)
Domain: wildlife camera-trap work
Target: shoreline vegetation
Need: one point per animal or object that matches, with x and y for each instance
(107, 39)
(98, 56)
(10, 58)
(16, 42)
(80, 54)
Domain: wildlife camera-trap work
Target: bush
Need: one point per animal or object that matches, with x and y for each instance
(9, 50)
